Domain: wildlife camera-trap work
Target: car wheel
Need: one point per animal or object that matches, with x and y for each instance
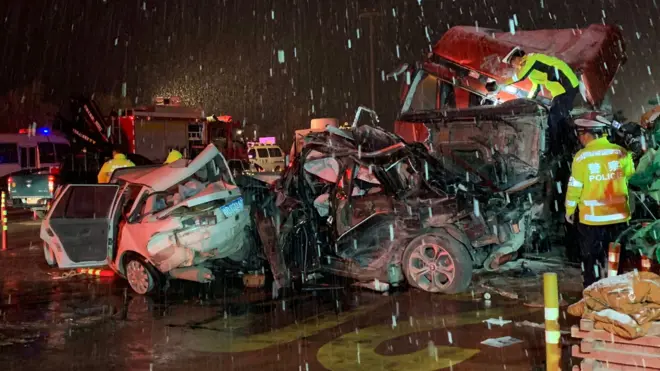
(277, 169)
(141, 276)
(50, 257)
(437, 263)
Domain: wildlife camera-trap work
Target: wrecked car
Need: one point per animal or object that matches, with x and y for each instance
(152, 224)
(364, 204)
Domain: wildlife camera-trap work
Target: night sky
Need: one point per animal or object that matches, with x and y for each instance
(278, 63)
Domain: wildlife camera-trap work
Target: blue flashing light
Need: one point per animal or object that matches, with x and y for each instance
(44, 131)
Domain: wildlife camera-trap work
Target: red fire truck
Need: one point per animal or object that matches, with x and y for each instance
(153, 130)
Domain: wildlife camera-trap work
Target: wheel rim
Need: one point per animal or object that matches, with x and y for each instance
(138, 277)
(431, 267)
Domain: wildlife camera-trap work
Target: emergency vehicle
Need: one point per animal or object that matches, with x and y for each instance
(454, 74)
(266, 156)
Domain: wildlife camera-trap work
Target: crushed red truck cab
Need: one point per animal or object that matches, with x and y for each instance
(454, 75)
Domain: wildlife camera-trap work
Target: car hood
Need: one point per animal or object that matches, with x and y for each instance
(166, 176)
(212, 192)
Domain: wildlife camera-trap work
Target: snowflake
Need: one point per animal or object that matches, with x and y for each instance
(594, 168)
(613, 166)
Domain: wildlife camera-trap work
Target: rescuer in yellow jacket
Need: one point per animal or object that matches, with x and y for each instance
(118, 161)
(173, 156)
(555, 76)
(598, 188)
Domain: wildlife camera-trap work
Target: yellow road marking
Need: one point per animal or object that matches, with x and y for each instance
(358, 349)
(226, 335)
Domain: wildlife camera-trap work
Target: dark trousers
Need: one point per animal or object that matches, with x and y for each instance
(594, 242)
(558, 117)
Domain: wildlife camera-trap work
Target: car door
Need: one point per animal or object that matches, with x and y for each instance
(78, 229)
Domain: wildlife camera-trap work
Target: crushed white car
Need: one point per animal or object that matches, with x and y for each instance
(171, 221)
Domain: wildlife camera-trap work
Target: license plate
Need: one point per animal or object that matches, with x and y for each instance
(233, 208)
(32, 200)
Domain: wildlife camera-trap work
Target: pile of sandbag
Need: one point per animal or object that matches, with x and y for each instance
(625, 305)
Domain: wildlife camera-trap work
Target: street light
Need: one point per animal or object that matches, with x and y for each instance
(370, 14)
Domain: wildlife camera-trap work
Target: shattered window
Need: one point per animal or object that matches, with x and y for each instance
(425, 95)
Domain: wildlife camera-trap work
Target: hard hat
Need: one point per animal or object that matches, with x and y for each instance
(592, 121)
(173, 156)
(515, 51)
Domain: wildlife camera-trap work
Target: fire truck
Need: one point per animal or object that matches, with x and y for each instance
(153, 131)
(454, 74)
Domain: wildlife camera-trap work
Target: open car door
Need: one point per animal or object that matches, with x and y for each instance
(78, 230)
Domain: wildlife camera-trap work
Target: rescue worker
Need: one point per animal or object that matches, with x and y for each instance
(118, 161)
(174, 155)
(555, 76)
(598, 189)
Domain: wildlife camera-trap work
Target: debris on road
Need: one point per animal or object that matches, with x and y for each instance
(501, 342)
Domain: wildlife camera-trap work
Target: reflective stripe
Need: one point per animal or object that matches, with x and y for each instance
(613, 257)
(603, 152)
(572, 182)
(571, 203)
(609, 201)
(551, 314)
(612, 272)
(552, 337)
(604, 218)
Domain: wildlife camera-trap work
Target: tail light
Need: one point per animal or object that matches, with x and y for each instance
(9, 182)
(51, 183)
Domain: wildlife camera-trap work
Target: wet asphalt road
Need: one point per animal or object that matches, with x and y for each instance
(84, 323)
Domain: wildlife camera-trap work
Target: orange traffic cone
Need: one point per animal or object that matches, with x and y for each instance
(613, 253)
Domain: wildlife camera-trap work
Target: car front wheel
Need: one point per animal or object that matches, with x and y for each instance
(141, 276)
(437, 263)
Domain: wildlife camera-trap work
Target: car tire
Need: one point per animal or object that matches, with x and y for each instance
(50, 257)
(437, 263)
(141, 276)
(278, 169)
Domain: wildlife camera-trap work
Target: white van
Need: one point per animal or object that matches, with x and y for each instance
(266, 157)
(22, 151)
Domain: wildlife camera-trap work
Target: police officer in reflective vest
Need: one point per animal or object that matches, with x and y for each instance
(118, 160)
(555, 76)
(598, 188)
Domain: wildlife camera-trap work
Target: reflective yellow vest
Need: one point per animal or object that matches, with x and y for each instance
(543, 70)
(599, 183)
(118, 161)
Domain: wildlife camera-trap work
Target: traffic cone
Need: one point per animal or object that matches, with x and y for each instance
(646, 264)
(613, 254)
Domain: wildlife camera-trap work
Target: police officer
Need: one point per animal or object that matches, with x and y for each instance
(118, 161)
(598, 188)
(174, 155)
(555, 76)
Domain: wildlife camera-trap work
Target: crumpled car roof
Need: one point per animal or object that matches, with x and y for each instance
(166, 176)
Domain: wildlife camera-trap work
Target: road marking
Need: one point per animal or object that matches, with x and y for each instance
(227, 335)
(358, 349)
